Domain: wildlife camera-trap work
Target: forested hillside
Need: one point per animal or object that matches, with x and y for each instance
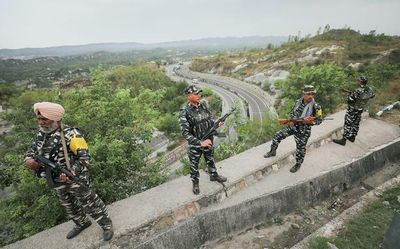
(330, 60)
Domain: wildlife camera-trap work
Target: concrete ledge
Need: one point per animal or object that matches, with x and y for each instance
(157, 209)
(208, 226)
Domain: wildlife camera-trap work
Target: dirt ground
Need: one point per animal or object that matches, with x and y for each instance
(392, 116)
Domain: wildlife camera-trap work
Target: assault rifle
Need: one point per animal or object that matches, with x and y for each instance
(346, 91)
(214, 128)
(297, 121)
(57, 170)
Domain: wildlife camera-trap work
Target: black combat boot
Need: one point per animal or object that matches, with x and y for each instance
(340, 141)
(351, 139)
(217, 178)
(295, 168)
(271, 153)
(108, 233)
(196, 188)
(78, 229)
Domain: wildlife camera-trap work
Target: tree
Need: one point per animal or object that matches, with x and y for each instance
(7, 91)
(116, 125)
(326, 78)
(326, 28)
(319, 31)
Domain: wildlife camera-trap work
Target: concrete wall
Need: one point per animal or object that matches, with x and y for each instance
(195, 231)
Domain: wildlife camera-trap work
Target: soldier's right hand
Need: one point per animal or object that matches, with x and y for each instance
(309, 120)
(31, 163)
(206, 143)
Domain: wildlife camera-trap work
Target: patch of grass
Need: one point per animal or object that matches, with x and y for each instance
(367, 229)
(389, 94)
(320, 243)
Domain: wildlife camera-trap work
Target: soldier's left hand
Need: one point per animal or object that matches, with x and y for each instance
(65, 178)
(221, 123)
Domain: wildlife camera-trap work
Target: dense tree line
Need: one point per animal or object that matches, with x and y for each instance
(117, 113)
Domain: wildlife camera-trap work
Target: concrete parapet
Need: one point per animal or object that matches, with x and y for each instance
(220, 222)
(172, 204)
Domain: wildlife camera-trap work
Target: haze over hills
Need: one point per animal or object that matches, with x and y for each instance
(209, 43)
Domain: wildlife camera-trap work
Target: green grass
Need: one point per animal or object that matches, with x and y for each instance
(367, 229)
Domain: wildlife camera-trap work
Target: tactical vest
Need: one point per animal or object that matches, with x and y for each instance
(200, 120)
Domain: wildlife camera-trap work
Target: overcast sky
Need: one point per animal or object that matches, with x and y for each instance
(43, 23)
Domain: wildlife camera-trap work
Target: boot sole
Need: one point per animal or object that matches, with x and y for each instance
(339, 143)
(218, 181)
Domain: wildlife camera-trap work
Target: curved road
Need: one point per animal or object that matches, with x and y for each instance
(260, 103)
(228, 98)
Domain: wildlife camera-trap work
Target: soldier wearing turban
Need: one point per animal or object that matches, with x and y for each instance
(66, 147)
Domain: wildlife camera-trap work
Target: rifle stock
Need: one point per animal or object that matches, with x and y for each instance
(296, 121)
(346, 90)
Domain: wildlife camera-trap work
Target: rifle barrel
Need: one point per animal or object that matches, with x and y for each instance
(215, 126)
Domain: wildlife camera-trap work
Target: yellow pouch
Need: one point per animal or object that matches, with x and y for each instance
(319, 112)
(77, 143)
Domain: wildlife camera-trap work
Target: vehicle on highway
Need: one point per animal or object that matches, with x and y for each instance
(195, 81)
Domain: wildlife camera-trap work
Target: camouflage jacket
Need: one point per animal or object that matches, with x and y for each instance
(195, 122)
(298, 108)
(359, 97)
(49, 145)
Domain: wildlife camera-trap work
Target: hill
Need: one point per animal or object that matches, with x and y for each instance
(344, 47)
(330, 60)
(206, 43)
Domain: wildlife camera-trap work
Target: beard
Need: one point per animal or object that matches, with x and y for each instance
(54, 126)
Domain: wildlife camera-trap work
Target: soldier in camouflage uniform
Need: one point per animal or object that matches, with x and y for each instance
(75, 199)
(309, 113)
(357, 101)
(195, 120)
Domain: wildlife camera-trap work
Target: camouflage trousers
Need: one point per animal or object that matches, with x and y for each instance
(352, 121)
(194, 154)
(301, 136)
(78, 202)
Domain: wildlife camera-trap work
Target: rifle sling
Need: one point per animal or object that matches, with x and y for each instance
(64, 146)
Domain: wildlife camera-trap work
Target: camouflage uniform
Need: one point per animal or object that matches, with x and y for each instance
(301, 132)
(194, 123)
(76, 200)
(357, 101)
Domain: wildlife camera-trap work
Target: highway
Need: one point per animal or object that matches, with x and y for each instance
(229, 99)
(260, 103)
